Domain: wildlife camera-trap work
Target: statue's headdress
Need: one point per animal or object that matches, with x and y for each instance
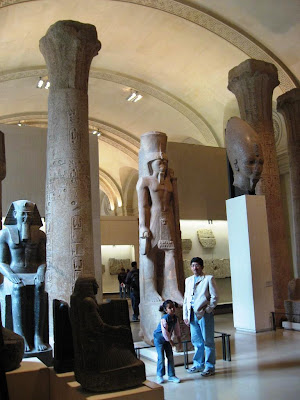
(153, 147)
(23, 206)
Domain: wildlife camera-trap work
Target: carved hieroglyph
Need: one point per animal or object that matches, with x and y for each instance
(289, 105)
(161, 269)
(206, 238)
(253, 82)
(68, 48)
(115, 265)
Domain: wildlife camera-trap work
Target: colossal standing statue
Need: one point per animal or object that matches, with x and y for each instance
(23, 264)
(161, 272)
(244, 153)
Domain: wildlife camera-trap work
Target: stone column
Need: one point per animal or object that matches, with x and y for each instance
(253, 82)
(2, 170)
(289, 105)
(68, 48)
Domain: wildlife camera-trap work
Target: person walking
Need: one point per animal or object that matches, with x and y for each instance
(133, 280)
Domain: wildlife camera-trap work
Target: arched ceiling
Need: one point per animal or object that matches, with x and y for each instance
(177, 54)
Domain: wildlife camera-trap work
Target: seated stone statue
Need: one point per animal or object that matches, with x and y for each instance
(104, 357)
(23, 264)
(292, 305)
(244, 153)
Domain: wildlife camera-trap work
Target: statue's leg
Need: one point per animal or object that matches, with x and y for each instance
(39, 316)
(18, 302)
(149, 278)
(170, 288)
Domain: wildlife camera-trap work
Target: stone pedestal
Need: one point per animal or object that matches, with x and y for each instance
(289, 105)
(250, 263)
(68, 48)
(253, 82)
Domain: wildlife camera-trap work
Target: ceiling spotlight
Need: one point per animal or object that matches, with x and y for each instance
(19, 123)
(99, 133)
(40, 83)
(134, 96)
(43, 82)
(95, 131)
(138, 97)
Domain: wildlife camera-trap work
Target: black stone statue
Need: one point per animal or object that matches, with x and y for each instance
(23, 265)
(104, 358)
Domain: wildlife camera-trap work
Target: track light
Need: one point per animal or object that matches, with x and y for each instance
(96, 132)
(134, 96)
(43, 82)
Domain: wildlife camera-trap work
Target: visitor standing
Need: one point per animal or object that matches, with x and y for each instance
(122, 278)
(163, 341)
(200, 298)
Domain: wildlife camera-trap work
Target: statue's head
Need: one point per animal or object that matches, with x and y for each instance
(244, 153)
(23, 213)
(86, 286)
(159, 165)
(153, 157)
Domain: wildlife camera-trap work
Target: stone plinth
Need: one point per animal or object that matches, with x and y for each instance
(253, 82)
(250, 263)
(289, 105)
(68, 48)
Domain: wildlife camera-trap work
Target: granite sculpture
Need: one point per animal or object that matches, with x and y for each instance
(292, 305)
(253, 82)
(289, 105)
(23, 265)
(11, 350)
(244, 153)
(68, 48)
(104, 358)
(161, 268)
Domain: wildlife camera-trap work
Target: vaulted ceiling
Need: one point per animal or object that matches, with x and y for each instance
(177, 54)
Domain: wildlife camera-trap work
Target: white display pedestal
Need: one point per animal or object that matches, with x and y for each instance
(250, 263)
(29, 382)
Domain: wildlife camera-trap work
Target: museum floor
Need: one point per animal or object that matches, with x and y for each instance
(264, 366)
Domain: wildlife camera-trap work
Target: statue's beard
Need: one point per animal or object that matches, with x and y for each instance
(161, 177)
(253, 183)
(25, 231)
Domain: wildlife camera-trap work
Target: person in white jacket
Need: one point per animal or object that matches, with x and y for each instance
(200, 298)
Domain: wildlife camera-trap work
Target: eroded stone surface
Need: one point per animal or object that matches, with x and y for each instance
(289, 105)
(244, 153)
(206, 238)
(219, 268)
(186, 245)
(68, 48)
(253, 82)
(115, 265)
(104, 359)
(161, 270)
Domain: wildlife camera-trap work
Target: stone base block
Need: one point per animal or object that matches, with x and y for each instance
(64, 386)
(29, 382)
(291, 325)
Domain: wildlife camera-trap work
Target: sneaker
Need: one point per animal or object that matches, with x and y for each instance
(174, 379)
(208, 372)
(159, 379)
(195, 369)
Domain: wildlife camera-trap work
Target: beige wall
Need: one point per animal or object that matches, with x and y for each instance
(202, 180)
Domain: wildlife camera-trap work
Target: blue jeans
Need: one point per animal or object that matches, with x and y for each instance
(135, 301)
(162, 346)
(202, 336)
